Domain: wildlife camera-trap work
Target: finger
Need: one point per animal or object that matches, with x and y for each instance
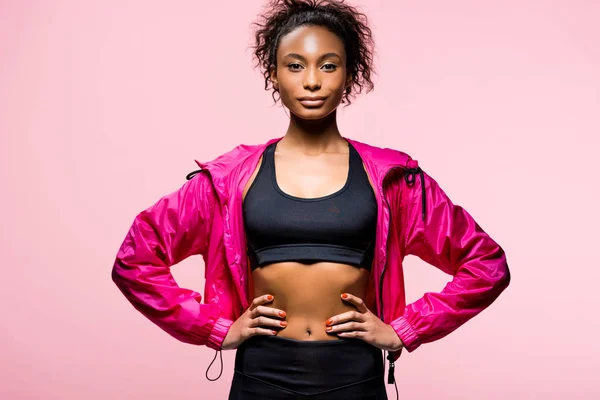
(260, 331)
(267, 298)
(268, 311)
(347, 316)
(354, 334)
(357, 301)
(347, 326)
(268, 322)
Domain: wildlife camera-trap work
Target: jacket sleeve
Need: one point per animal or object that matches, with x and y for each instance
(446, 236)
(174, 228)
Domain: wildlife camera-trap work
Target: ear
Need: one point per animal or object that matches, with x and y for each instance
(348, 81)
(273, 78)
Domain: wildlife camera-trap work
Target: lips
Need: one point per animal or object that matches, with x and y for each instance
(314, 101)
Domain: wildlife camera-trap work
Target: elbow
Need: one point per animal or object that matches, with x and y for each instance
(502, 273)
(505, 275)
(114, 275)
(496, 275)
(118, 275)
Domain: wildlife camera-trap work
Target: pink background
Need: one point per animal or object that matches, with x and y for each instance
(104, 105)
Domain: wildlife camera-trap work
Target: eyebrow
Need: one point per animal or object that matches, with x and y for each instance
(296, 55)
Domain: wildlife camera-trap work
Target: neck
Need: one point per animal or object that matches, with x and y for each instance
(313, 137)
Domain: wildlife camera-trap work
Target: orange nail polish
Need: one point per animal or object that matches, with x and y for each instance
(269, 297)
(345, 295)
(328, 328)
(283, 323)
(282, 313)
(328, 322)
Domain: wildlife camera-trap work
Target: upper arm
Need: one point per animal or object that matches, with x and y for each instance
(175, 227)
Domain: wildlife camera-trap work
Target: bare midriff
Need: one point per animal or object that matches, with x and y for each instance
(309, 294)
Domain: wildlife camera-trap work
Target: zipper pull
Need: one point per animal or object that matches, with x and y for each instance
(391, 378)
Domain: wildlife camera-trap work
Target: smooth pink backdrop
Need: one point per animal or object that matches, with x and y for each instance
(105, 105)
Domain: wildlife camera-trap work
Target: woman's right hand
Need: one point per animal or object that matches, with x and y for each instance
(250, 322)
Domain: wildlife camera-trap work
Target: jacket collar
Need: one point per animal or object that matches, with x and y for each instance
(241, 161)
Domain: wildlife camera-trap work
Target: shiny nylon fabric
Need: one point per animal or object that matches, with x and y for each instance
(204, 216)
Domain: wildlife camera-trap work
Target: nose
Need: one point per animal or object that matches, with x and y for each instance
(311, 79)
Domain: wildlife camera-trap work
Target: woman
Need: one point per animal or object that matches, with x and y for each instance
(303, 236)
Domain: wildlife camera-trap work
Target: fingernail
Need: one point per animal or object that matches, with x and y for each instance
(345, 296)
(269, 297)
(274, 332)
(283, 323)
(282, 313)
(328, 322)
(328, 328)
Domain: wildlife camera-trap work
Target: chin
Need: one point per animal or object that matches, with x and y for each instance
(311, 113)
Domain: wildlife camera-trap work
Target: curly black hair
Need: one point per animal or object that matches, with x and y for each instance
(283, 16)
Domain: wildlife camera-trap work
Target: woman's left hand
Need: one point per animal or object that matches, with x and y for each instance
(365, 325)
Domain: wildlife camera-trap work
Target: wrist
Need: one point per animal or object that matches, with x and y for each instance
(400, 344)
(397, 344)
(218, 333)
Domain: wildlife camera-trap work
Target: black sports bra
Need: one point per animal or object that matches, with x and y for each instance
(339, 227)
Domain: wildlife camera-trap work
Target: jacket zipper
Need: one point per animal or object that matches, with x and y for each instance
(391, 366)
(217, 352)
(413, 171)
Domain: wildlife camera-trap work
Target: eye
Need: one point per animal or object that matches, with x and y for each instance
(333, 67)
(291, 66)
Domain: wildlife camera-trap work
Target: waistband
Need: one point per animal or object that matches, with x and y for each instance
(309, 367)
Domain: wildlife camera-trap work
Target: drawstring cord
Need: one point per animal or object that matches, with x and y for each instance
(391, 378)
(219, 352)
(191, 174)
(211, 363)
(409, 177)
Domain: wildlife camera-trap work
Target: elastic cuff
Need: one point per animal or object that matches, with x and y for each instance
(218, 333)
(406, 333)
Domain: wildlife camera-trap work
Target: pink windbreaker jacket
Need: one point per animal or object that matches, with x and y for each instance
(204, 216)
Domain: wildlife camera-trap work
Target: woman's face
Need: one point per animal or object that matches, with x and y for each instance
(311, 62)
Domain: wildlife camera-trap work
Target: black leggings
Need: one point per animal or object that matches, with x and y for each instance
(273, 367)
